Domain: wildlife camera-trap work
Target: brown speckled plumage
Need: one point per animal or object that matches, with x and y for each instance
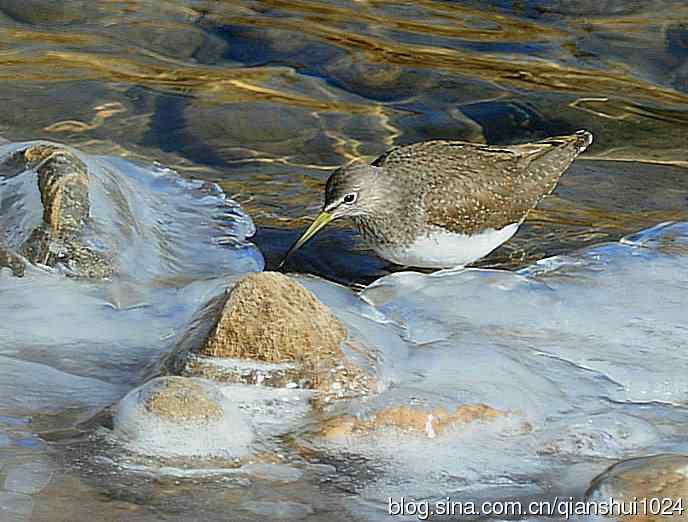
(444, 203)
(458, 186)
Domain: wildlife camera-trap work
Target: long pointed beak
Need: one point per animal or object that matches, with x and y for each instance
(323, 219)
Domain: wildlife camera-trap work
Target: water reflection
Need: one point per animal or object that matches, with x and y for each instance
(267, 97)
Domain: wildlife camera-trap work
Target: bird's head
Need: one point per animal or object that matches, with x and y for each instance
(352, 190)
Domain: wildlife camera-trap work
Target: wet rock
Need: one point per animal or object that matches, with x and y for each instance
(180, 399)
(11, 260)
(271, 318)
(413, 420)
(274, 130)
(646, 484)
(59, 240)
(385, 81)
(177, 417)
(268, 329)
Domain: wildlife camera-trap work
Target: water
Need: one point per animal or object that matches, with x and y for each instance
(265, 98)
(70, 347)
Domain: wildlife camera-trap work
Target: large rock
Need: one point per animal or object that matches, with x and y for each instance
(651, 488)
(61, 238)
(269, 317)
(268, 329)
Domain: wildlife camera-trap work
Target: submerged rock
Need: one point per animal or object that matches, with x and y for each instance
(181, 417)
(409, 419)
(179, 399)
(650, 488)
(269, 329)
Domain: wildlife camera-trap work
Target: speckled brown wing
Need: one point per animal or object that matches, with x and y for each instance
(470, 187)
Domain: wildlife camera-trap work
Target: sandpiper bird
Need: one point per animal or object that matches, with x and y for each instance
(441, 204)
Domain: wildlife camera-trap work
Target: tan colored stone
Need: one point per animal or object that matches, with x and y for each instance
(63, 183)
(413, 420)
(181, 399)
(268, 317)
(648, 482)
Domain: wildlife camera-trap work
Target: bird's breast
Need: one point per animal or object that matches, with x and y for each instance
(439, 248)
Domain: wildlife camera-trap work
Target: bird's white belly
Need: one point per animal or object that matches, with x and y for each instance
(442, 249)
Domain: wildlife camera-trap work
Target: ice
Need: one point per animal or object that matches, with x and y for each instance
(175, 243)
(584, 354)
(15, 507)
(273, 411)
(70, 347)
(27, 387)
(278, 510)
(28, 478)
(365, 325)
(277, 472)
(224, 432)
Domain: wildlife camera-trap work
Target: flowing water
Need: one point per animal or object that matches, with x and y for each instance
(265, 98)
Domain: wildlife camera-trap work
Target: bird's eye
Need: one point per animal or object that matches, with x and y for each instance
(349, 198)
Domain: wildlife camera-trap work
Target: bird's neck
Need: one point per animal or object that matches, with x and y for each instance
(390, 227)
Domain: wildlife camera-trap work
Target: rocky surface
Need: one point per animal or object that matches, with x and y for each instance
(180, 399)
(426, 423)
(182, 417)
(61, 238)
(652, 488)
(269, 329)
(11, 260)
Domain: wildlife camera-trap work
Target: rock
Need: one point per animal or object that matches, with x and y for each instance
(269, 317)
(645, 486)
(179, 399)
(413, 420)
(11, 260)
(60, 239)
(270, 330)
(181, 417)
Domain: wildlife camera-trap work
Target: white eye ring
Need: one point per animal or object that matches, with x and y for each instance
(350, 198)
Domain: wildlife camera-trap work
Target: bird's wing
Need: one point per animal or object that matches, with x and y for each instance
(468, 187)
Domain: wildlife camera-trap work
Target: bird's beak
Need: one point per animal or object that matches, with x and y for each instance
(323, 219)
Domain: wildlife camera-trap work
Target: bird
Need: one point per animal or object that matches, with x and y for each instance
(443, 204)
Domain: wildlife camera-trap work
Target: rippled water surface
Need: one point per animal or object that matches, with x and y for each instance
(267, 97)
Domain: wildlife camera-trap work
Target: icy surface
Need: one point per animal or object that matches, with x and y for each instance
(70, 347)
(586, 354)
(229, 435)
(175, 243)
